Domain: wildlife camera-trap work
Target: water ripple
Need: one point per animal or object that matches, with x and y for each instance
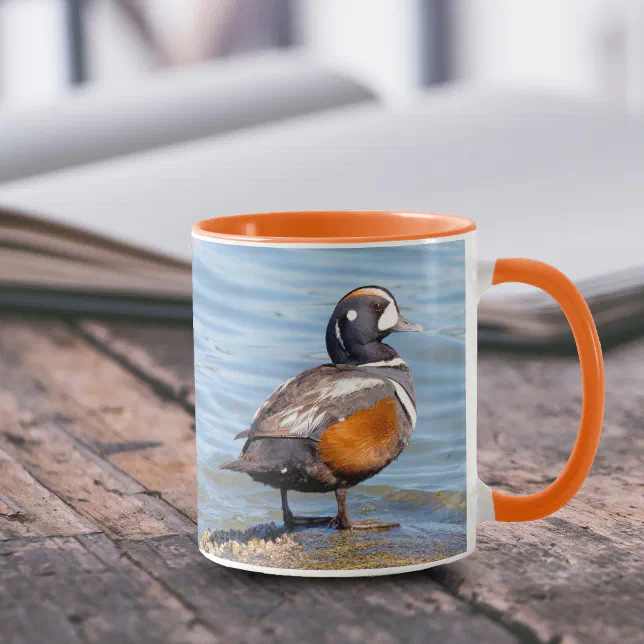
(260, 316)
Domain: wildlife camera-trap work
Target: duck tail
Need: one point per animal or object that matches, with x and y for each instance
(236, 465)
(239, 464)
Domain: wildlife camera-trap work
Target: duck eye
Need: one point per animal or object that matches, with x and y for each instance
(378, 307)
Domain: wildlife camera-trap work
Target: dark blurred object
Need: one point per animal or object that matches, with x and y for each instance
(75, 41)
(436, 42)
(537, 324)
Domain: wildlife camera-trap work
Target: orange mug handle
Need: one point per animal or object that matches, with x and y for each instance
(507, 507)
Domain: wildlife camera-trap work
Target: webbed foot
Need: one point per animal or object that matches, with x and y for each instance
(293, 521)
(336, 522)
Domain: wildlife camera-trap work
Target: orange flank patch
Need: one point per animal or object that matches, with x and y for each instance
(362, 444)
(362, 291)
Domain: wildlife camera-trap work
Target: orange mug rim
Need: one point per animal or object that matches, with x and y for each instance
(332, 226)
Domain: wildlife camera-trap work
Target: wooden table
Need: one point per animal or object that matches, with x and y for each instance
(97, 509)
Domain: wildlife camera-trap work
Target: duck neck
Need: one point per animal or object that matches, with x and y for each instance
(372, 352)
(357, 354)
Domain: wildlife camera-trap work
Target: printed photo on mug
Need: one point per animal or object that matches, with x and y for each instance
(331, 404)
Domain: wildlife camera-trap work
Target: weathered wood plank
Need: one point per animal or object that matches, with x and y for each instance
(574, 576)
(93, 487)
(247, 607)
(96, 401)
(26, 624)
(56, 438)
(27, 509)
(577, 575)
(166, 362)
(81, 589)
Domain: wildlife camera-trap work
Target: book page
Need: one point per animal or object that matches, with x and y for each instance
(546, 177)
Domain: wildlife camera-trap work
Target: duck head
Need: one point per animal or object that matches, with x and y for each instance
(359, 323)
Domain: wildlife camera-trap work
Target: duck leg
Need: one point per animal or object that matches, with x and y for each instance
(344, 522)
(291, 520)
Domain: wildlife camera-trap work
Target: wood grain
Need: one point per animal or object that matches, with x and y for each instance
(27, 509)
(55, 423)
(112, 402)
(82, 589)
(53, 375)
(248, 607)
(574, 576)
(165, 363)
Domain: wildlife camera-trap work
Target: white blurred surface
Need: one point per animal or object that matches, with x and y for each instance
(170, 107)
(33, 66)
(585, 48)
(376, 42)
(558, 180)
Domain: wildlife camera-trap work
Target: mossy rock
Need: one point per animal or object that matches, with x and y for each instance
(318, 548)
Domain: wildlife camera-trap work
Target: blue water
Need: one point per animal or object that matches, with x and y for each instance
(260, 316)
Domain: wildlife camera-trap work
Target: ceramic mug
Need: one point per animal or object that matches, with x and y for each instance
(335, 371)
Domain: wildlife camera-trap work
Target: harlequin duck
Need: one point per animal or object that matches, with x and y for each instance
(336, 425)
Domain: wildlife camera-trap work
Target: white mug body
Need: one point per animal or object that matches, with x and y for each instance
(313, 402)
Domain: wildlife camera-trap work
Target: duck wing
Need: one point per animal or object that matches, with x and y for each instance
(306, 405)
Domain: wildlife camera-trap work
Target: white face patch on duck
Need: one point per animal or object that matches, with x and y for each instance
(388, 318)
(351, 315)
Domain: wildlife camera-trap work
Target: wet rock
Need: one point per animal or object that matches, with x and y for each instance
(433, 527)
(331, 549)
(455, 500)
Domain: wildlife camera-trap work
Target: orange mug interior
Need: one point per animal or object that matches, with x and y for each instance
(333, 226)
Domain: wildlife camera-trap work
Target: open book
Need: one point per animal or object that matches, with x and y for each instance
(60, 268)
(554, 179)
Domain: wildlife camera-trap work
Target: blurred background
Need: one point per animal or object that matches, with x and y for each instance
(590, 48)
(131, 119)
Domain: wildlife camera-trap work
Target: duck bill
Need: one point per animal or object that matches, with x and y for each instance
(405, 325)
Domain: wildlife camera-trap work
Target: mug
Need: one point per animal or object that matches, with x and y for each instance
(335, 383)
